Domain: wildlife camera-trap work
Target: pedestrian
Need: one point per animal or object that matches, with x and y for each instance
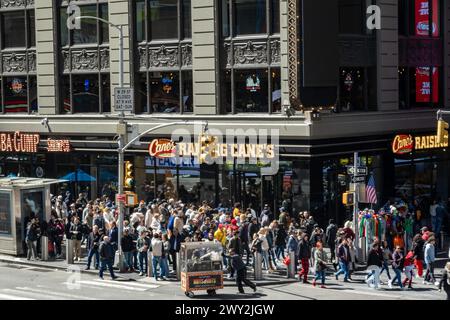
(265, 217)
(244, 237)
(142, 247)
(418, 248)
(94, 244)
(76, 236)
(387, 259)
(304, 254)
(31, 239)
(320, 259)
(280, 242)
(352, 261)
(409, 269)
(374, 264)
(127, 249)
(430, 257)
(343, 255)
(107, 253)
(114, 237)
(265, 250)
(330, 238)
(397, 266)
(445, 280)
(241, 272)
(157, 252)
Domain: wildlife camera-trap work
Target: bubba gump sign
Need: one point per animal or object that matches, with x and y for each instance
(404, 144)
(19, 142)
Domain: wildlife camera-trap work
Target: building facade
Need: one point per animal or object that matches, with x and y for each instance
(237, 64)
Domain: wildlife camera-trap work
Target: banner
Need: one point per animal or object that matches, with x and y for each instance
(423, 84)
(422, 18)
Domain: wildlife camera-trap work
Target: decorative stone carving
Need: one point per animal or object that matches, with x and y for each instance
(85, 60)
(229, 54)
(104, 59)
(30, 3)
(163, 57)
(31, 61)
(250, 53)
(275, 56)
(14, 62)
(186, 55)
(66, 60)
(142, 52)
(13, 3)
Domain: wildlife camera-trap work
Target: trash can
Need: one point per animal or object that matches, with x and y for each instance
(258, 266)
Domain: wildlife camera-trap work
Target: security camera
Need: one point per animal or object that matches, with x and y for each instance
(44, 122)
(289, 111)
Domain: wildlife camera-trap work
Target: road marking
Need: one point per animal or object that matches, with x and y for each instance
(38, 296)
(129, 283)
(96, 284)
(379, 294)
(11, 297)
(54, 293)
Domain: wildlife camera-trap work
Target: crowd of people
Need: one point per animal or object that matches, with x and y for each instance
(161, 225)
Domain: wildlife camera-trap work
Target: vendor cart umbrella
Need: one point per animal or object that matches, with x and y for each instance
(78, 176)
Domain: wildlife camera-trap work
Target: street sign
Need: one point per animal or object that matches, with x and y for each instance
(123, 99)
(358, 179)
(359, 170)
(120, 198)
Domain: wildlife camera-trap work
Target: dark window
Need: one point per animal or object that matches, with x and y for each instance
(32, 29)
(33, 95)
(5, 213)
(163, 19)
(276, 90)
(88, 31)
(106, 93)
(187, 24)
(141, 94)
(250, 16)
(225, 18)
(275, 6)
(351, 95)
(103, 26)
(351, 18)
(164, 92)
(226, 91)
(140, 21)
(251, 90)
(65, 88)
(64, 31)
(13, 29)
(85, 93)
(188, 95)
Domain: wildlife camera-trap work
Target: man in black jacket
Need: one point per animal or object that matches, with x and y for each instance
(243, 235)
(304, 254)
(107, 252)
(127, 248)
(241, 270)
(330, 235)
(374, 264)
(253, 228)
(94, 243)
(236, 245)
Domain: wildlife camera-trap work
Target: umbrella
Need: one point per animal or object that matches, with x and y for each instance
(78, 176)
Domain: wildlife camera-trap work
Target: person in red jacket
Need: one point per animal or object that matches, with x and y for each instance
(409, 269)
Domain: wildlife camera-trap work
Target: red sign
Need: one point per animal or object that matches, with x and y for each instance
(403, 144)
(422, 15)
(162, 148)
(423, 85)
(120, 198)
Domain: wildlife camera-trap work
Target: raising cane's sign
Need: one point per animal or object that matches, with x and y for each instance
(404, 143)
(162, 148)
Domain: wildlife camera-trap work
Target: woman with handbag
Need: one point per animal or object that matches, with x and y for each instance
(320, 266)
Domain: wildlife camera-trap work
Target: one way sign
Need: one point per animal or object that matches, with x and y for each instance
(360, 171)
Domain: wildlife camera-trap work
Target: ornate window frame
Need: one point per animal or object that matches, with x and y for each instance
(79, 59)
(171, 55)
(20, 62)
(260, 51)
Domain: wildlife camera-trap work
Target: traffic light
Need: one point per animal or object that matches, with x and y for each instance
(129, 176)
(348, 198)
(442, 132)
(207, 147)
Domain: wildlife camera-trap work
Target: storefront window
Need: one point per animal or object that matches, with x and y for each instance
(5, 213)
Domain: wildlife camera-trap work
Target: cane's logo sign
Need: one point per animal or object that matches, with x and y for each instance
(403, 144)
(162, 148)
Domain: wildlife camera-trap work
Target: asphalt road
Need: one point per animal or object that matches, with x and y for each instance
(18, 282)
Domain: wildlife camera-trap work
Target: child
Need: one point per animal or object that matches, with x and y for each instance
(409, 269)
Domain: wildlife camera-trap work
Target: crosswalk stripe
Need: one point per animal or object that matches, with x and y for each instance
(379, 294)
(129, 283)
(61, 295)
(11, 297)
(96, 284)
(38, 296)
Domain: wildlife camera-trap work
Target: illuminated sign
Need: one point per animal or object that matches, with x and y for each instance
(19, 142)
(162, 148)
(423, 85)
(422, 18)
(253, 83)
(58, 145)
(17, 86)
(404, 144)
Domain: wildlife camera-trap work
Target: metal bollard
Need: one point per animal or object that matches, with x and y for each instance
(258, 266)
(69, 251)
(44, 248)
(178, 266)
(149, 264)
(291, 267)
(364, 249)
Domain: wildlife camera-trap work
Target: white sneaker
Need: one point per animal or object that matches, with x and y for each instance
(436, 283)
(390, 284)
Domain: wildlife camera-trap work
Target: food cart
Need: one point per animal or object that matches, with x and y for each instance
(201, 267)
(20, 199)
